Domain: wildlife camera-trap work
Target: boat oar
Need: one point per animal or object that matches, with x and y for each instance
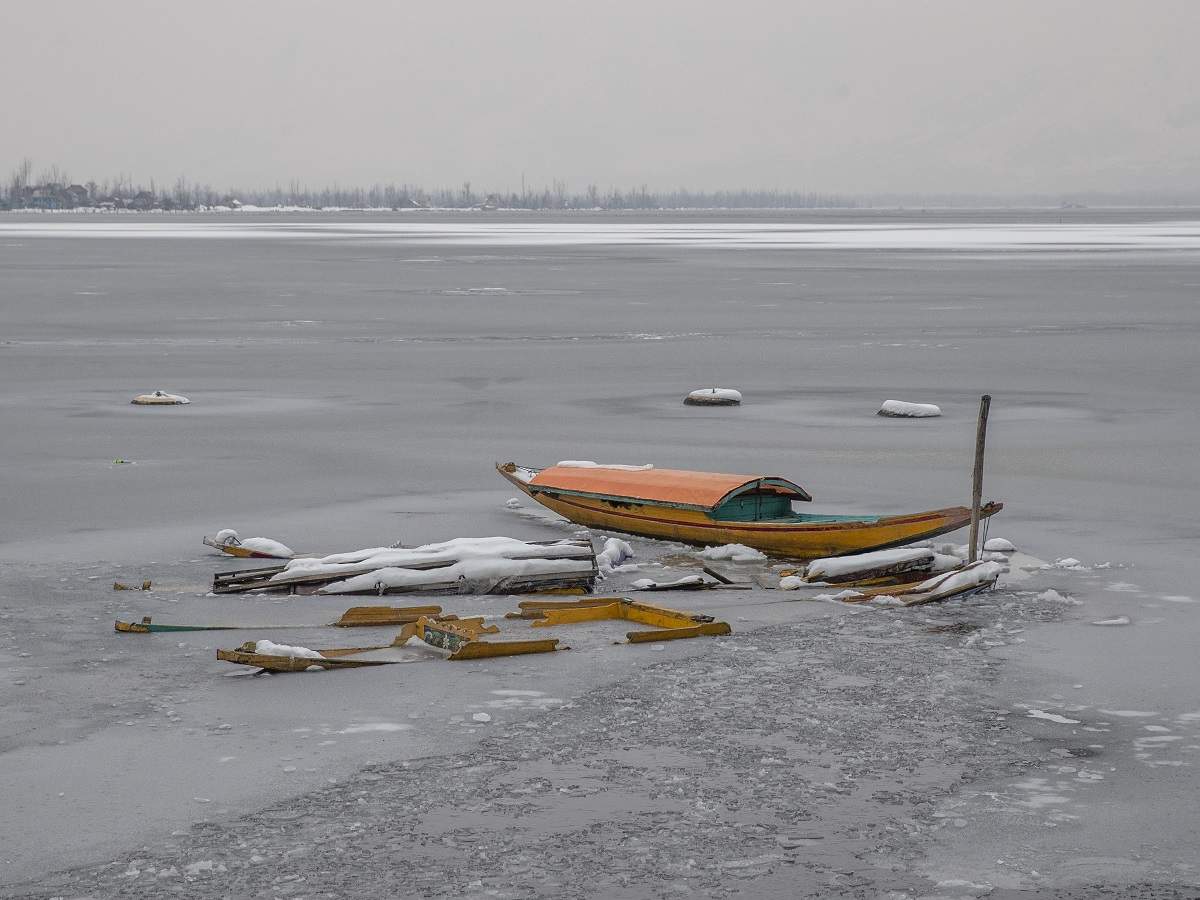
(355, 617)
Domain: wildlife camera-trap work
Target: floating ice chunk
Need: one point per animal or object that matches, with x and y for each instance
(713, 397)
(733, 552)
(588, 464)
(1070, 563)
(839, 596)
(999, 545)
(480, 717)
(791, 583)
(899, 409)
(1116, 620)
(512, 503)
(886, 600)
(1051, 717)
(270, 648)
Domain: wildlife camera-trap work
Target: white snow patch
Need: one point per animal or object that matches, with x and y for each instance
(791, 583)
(160, 398)
(480, 717)
(270, 648)
(589, 464)
(513, 503)
(900, 409)
(1051, 717)
(615, 552)
(1127, 713)
(999, 545)
(733, 552)
(1116, 620)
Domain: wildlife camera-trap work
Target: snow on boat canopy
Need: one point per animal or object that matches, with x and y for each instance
(159, 398)
(713, 397)
(709, 508)
(900, 409)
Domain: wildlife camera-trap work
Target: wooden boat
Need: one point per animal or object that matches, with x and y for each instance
(715, 508)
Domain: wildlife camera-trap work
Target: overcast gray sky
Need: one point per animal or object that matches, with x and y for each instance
(845, 95)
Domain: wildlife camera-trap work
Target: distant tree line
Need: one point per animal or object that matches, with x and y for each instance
(52, 188)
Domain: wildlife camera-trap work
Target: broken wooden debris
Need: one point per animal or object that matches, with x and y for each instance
(666, 624)
(458, 638)
(122, 586)
(355, 617)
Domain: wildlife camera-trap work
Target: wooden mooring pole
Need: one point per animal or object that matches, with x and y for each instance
(985, 404)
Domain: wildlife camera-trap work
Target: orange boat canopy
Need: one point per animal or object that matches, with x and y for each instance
(676, 487)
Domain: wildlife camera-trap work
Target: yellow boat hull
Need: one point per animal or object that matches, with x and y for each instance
(794, 540)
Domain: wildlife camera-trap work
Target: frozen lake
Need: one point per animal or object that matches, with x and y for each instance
(354, 377)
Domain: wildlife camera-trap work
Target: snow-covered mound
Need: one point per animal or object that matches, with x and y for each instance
(733, 553)
(999, 545)
(615, 552)
(791, 583)
(270, 648)
(900, 409)
(227, 537)
(714, 397)
(159, 398)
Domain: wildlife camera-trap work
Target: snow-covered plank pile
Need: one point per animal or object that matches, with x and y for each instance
(879, 564)
(900, 409)
(492, 565)
(713, 397)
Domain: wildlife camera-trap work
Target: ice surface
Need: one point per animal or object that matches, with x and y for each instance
(384, 418)
(644, 583)
(904, 410)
